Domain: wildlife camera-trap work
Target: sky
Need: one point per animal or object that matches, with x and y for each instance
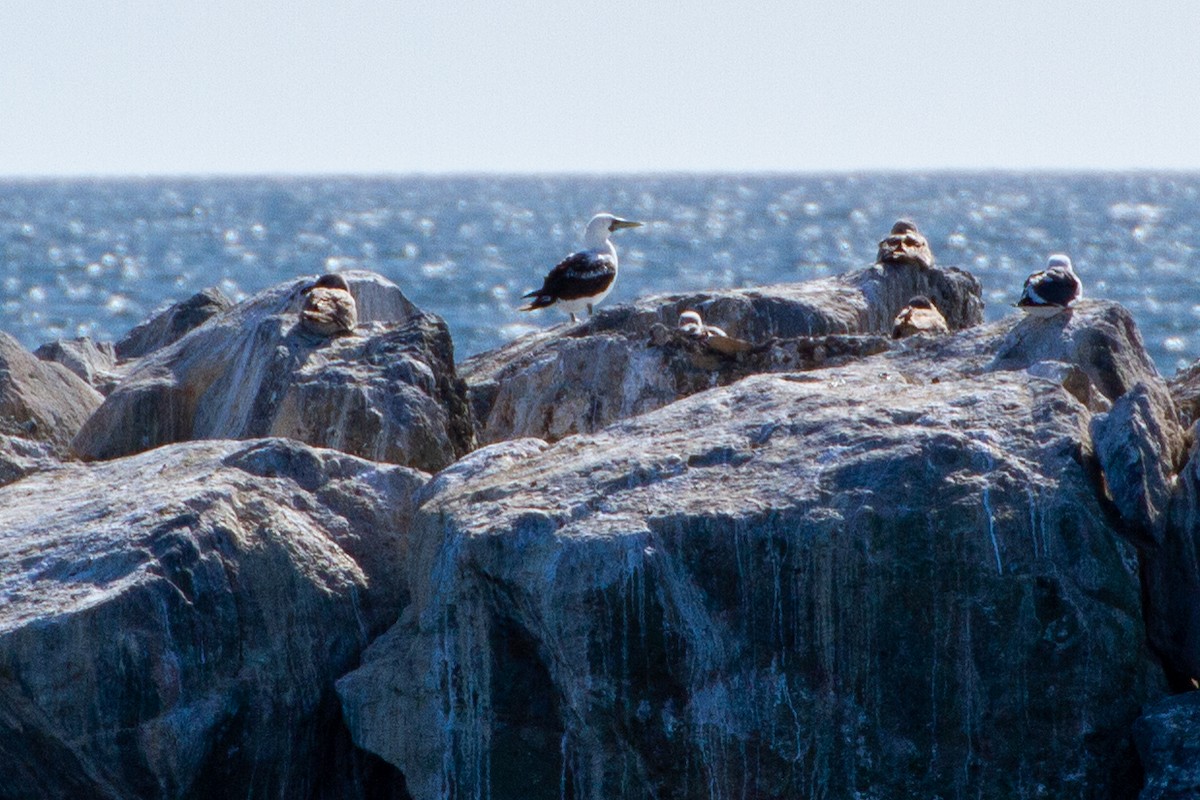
(145, 87)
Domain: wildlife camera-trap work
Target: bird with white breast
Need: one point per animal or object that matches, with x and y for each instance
(584, 278)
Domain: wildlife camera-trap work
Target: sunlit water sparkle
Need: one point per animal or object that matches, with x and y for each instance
(94, 257)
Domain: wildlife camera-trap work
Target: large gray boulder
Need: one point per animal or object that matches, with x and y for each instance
(171, 624)
(41, 401)
(580, 378)
(901, 576)
(388, 393)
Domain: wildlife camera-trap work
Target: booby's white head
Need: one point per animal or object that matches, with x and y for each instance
(1059, 260)
(602, 225)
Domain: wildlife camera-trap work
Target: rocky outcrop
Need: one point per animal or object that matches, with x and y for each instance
(1168, 740)
(171, 624)
(171, 323)
(905, 575)
(1185, 390)
(578, 379)
(94, 362)
(388, 393)
(20, 457)
(41, 401)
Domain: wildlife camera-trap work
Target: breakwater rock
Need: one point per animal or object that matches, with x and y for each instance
(388, 393)
(579, 378)
(171, 624)
(824, 564)
(908, 575)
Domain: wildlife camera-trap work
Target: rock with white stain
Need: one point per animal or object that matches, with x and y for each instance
(906, 575)
(171, 624)
(388, 393)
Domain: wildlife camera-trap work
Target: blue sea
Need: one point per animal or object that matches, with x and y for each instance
(95, 257)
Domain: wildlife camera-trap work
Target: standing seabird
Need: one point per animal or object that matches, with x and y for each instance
(329, 308)
(1051, 290)
(919, 316)
(583, 279)
(905, 245)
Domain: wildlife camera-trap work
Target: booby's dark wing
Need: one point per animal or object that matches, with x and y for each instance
(578, 276)
(1050, 287)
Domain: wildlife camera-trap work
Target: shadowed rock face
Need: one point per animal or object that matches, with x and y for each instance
(907, 575)
(579, 379)
(389, 393)
(1168, 740)
(41, 401)
(183, 642)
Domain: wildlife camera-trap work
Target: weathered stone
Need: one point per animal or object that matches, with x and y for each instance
(171, 323)
(1185, 390)
(388, 393)
(896, 577)
(1141, 448)
(1171, 570)
(578, 379)
(171, 624)
(20, 457)
(94, 362)
(1100, 338)
(1168, 740)
(40, 400)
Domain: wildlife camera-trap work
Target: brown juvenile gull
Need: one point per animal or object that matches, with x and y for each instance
(329, 308)
(584, 278)
(1052, 290)
(905, 245)
(919, 316)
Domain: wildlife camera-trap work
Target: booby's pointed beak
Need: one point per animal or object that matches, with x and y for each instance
(619, 223)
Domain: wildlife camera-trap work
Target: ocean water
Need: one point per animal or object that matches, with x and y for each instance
(95, 257)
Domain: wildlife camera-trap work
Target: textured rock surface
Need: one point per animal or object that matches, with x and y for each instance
(181, 640)
(389, 393)
(39, 400)
(1168, 740)
(94, 362)
(1185, 390)
(897, 577)
(168, 325)
(20, 457)
(577, 379)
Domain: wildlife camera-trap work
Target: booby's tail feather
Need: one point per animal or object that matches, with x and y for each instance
(539, 301)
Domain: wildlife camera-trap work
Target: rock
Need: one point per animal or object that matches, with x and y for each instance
(898, 576)
(1168, 740)
(20, 457)
(1101, 338)
(1141, 448)
(170, 323)
(389, 393)
(1171, 574)
(41, 401)
(1185, 390)
(94, 362)
(578, 379)
(171, 624)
